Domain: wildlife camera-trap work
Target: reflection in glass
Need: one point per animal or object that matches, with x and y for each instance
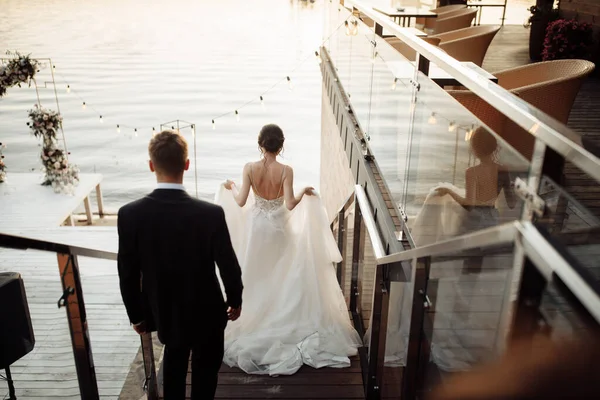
(449, 211)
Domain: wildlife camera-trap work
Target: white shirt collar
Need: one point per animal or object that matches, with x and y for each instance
(172, 186)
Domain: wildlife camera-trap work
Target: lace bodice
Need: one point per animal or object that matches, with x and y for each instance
(267, 206)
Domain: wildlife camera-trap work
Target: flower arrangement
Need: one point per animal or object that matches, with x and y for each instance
(541, 12)
(2, 165)
(567, 39)
(61, 175)
(21, 69)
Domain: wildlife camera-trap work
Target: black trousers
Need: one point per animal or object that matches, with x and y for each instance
(207, 357)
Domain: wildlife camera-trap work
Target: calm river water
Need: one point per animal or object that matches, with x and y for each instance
(141, 63)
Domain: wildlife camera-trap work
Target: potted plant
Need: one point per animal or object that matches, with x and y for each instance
(568, 39)
(542, 14)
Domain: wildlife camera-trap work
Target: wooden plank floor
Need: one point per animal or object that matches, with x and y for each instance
(308, 383)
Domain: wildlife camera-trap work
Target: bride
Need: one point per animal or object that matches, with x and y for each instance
(294, 310)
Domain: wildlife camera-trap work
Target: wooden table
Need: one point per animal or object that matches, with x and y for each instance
(25, 203)
(403, 15)
(405, 70)
(479, 4)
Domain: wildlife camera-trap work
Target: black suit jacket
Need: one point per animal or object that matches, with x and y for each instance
(168, 245)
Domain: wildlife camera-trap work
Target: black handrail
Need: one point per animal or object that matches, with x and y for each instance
(12, 241)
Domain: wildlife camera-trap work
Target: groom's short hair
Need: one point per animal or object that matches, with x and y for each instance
(169, 152)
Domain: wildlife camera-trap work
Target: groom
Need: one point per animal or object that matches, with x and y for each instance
(169, 243)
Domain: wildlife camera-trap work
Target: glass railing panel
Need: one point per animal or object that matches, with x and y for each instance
(390, 116)
(467, 319)
(570, 220)
(460, 174)
(362, 63)
(397, 334)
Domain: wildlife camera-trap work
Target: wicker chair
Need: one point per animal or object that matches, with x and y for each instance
(421, 23)
(406, 50)
(452, 21)
(468, 44)
(550, 86)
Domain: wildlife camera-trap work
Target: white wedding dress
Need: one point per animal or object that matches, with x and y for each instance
(293, 310)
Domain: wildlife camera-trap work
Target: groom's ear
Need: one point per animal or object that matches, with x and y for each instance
(187, 164)
(151, 166)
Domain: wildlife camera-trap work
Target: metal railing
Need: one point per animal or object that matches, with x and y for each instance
(531, 251)
(534, 256)
(72, 300)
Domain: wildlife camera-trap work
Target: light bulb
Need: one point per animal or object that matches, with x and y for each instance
(83, 105)
(213, 125)
(68, 88)
(153, 131)
(118, 129)
(101, 120)
(193, 130)
(348, 31)
(394, 84)
(374, 57)
(432, 119)
(318, 56)
(469, 133)
(451, 127)
(135, 132)
(354, 28)
(262, 102)
(237, 115)
(290, 86)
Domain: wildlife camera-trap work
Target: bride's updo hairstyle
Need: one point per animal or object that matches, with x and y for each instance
(483, 144)
(270, 139)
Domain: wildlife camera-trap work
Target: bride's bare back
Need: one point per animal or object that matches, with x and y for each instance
(267, 180)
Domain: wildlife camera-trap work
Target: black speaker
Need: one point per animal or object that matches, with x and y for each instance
(16, 332)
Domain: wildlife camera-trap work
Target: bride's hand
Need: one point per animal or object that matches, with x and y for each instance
(229, 184)
(309, 191)
(442, 191)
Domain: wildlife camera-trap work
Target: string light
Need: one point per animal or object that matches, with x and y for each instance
(213, 125)
(394, 84)
(237, 115)
(135, 132)
(318, 56)
(374, 57)
(469, 133)
(118, 129)
(262, 102)
(432, 120)
(153, 131)
(348, 32)
(68, 88)
(101, 120)
(354, 29)
(290, 85)
(451, 127)
(193, 130)
(83, 105)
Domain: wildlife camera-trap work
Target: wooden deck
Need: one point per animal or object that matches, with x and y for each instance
(306, 384)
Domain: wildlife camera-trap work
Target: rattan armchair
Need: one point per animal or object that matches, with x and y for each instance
(452, 21)
(468, 44)
(550, 86)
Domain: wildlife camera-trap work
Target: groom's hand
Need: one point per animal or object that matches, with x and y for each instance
(140, 328)
(234, 313)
